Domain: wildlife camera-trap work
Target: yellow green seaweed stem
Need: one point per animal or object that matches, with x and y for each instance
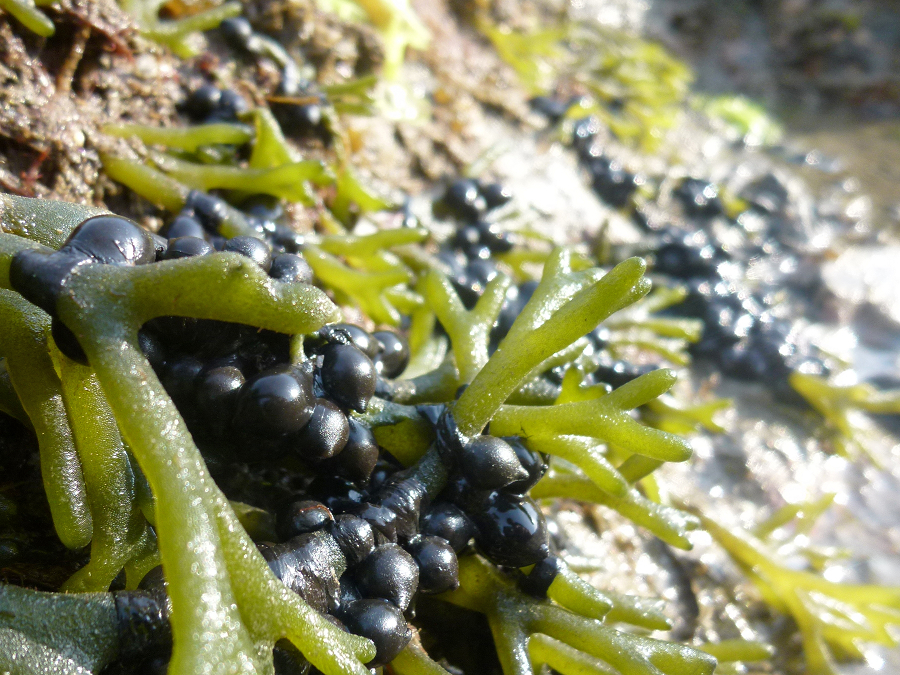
(669, 524)
(353, 97)
(184, 138)
(414, 660)
(637, 611)
(288, 181)
(802, 516)
(150, 183)
(404, 299)
(372, 244)
(839, 403)
(351, 197)
(177, 34)
(623, 343)
(162, 190)
(605, 418)
(727, 651)
(425, 352)
(833, 618)
(636, 467)
(668, 414)
(9, 400)
(29, 16)
(561, 658)
(121, 534)
(574, 593)
(23, 342)
(638, 326)
(584, 452)
(228, 609)
(270, 147)
(382, 261)
(469, 331)
(514, 617)
(573, 388)
(565, 306)
(365, 288)
(438, 385)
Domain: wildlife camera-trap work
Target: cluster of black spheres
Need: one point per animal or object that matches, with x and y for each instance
(247, 403)
(298, 105)
(609, 179)
(743, 334)
(469, 255)
(202, 217)
(489, 486)
(208, 104)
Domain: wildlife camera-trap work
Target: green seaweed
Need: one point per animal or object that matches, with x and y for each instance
(286, 181)
(368, 289)
(29, 16)
(842, 405)
(184, 138)
(745, 117)
(669, 524)
(227, 608)
(565, 306)
(165, 191)
(575, 640)
(394, 19)
(640, 327)
(221, 582)
(24, 345)
(80, 638)
(636, 88)
(179, 35)
(835, 619)
(273, 168)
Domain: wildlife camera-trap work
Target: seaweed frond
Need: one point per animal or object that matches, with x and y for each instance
(529, 632)
(835, 619)
(27, 13)
(842, 405)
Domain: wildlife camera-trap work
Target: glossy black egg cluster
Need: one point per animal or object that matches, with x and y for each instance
(244, 401)
(489, 483)
(744, 333)
(298, 105)
(468, 256)
(396, 545)
(208, 104)
(609, 179)
(201, 219)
